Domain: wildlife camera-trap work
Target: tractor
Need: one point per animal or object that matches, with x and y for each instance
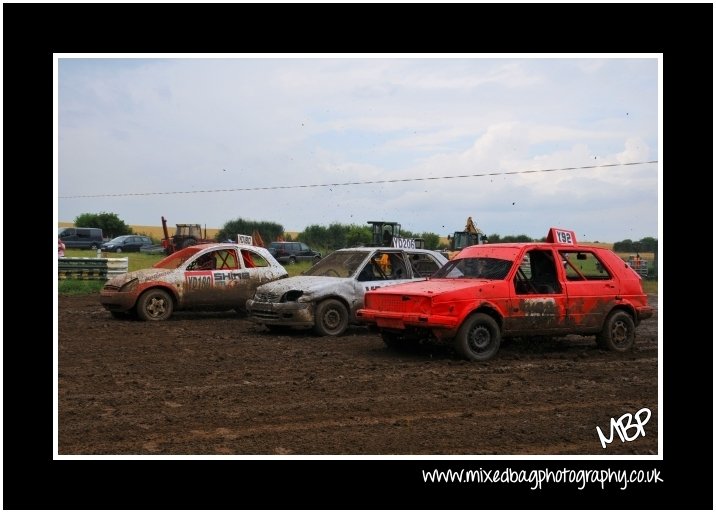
(470, 236)
(186, 235)
(387, 233)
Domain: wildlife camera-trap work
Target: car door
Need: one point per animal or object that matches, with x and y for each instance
(384, 268)
(591, 287)
(254, 270)
(142, 242)
(133, 244)
(302, 252)
(215, 279)
(538, 302)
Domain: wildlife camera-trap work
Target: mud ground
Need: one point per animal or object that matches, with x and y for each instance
(216, 384)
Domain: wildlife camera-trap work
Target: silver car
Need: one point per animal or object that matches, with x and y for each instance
(327, 296)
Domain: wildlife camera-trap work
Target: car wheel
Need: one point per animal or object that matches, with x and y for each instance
(292, 260)
(155, 305)
(118, 250)
(94, 246)
(331, 318)
(478, 338)
(618, 333)
(316, 259)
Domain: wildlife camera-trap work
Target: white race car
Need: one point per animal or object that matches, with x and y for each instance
(327, 296)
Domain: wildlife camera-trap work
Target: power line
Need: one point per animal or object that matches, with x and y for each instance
(369, 182)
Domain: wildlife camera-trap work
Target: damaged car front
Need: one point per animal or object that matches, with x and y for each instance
(327, 296)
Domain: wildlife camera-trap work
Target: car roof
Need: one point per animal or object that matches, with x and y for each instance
(217, 245)
(507, 248)
(390, 248)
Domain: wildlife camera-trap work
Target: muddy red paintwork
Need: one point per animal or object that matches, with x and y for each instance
(490, 291)
(200, 277)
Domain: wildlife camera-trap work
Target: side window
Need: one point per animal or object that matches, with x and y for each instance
(252, 259)
(205, 262)
(397, 265)
(537, 274)
(304, 247)
(381, 261)
(226, 259)
(369, 272)
(583, 265)
(423, 265)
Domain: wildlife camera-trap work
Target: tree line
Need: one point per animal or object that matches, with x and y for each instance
(331, 237)
(646, 245)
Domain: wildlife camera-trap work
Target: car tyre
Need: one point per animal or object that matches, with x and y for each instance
(291, 260)
(155, 305)
(478, 339)
(118, 250)
(331, 318)
(618, 333)
(94, 246)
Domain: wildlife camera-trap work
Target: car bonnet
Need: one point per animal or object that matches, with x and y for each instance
(435, 286)
(304, 283)
(143, 275)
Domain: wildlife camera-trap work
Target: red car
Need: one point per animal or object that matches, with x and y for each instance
(490, 291)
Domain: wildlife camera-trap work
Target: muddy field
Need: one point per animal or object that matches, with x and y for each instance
(216, 384)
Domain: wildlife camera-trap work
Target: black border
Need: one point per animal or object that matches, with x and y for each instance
(32, 32)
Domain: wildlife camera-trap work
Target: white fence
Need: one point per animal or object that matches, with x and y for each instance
(81, 268)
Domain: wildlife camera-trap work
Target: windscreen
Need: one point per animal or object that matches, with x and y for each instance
(475, 268)
(341, 264)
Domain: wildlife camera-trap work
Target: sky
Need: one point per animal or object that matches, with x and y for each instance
(518, 143)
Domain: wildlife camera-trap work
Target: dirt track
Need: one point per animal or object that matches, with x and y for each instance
(214, 383)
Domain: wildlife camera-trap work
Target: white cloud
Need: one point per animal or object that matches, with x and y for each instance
(128, 126)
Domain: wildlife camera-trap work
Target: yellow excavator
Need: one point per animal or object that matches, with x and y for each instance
(470, 236)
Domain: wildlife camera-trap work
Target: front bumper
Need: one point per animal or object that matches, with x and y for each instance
(297, 315)
(115, 301)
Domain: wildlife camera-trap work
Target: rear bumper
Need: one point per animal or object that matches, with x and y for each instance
(644, 312)
(401, 320)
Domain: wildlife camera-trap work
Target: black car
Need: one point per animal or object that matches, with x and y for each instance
(126, 243)
(292, 252)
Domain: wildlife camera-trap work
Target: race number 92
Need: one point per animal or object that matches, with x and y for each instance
(564, 237)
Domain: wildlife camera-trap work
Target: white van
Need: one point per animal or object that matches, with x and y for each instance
(90, 238)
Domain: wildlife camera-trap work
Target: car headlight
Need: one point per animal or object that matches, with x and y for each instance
(129, 286)
(291, 295)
